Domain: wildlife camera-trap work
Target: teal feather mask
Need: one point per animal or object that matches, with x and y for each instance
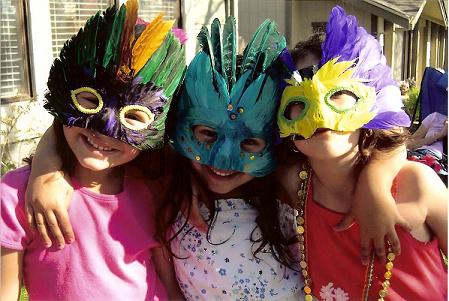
(236, 104)
(117, 76)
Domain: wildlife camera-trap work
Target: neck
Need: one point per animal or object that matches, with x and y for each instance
(108, 181)
(334, 181)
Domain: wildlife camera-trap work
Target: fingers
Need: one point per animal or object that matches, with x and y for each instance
(395, 244)
(379, 247)
(65, 226)
(30, 217)
(365, 250)
(56, 233)
(346, 223)
(42, 229)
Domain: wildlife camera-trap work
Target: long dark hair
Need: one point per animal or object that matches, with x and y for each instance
(259, 193)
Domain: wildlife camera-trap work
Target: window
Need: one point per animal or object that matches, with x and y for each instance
(149, 9)
(68, 16)
(14, 63)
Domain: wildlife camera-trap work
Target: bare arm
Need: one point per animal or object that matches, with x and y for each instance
(419, 140)
(374, 207)
(166, 273)
(11, 274)
(436, 203)
(49, 193)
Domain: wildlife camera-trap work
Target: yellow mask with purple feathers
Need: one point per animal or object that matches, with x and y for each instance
(317, 108)
(352, 89)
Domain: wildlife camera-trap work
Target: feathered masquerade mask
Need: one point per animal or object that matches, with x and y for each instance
(117, 76)
(236, 105)
(352, 63)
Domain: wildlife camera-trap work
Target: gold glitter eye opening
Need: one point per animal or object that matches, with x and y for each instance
(87, 100)
(136, 117)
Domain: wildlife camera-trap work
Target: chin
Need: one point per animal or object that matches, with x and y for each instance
(94, 164)
(329, 144)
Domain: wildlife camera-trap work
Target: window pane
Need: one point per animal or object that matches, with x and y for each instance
(68, 16)
(13, 71)
(149, 9)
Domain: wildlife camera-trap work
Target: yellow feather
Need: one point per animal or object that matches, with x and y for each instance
(149, 41)
(128, 37)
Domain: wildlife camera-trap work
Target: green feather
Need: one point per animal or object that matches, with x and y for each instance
(156, 59)
(112, 53)
(229, 51)
(166, 66)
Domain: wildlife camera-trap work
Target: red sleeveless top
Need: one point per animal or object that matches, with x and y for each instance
(338, 274)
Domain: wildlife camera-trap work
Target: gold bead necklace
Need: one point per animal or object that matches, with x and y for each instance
(305, 181)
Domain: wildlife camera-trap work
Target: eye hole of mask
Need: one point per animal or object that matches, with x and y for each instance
(253, 145)
(343, 100)
(136, 117)
(87, 100)
(294, 110)
(204, 134)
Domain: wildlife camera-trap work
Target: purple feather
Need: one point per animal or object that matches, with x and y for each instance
(344, 39)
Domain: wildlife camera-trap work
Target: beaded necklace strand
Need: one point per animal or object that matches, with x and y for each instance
(305, 181)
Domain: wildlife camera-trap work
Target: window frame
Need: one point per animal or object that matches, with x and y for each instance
(26, 56)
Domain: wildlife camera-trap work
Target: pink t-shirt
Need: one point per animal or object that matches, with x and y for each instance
(111, 256)
(434, 123)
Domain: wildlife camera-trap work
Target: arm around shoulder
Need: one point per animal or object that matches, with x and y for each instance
(431, 193)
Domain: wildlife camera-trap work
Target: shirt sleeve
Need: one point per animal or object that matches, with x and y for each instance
(14, 233)
(428, 120)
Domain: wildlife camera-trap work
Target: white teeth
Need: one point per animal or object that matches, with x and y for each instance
(222, 173)
(97, 146)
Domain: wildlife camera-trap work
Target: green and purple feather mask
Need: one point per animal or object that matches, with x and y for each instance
(127, 69)
(237, 102)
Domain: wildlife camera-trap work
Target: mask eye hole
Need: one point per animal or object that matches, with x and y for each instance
(87, 100)
(253, 145)
(136, 117)
(343, 100)
(205, 134)
(294, 110)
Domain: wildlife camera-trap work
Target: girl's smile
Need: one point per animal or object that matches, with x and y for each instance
(98, 152)
(220, 181)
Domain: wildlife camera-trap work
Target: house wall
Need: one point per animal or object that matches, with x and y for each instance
(306, 12)
(251, 13)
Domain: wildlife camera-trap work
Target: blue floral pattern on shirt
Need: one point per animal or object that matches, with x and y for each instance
(223, 267)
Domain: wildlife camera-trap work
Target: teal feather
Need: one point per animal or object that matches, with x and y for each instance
(206, 44)
(215, 38)
(112, 53)
(264, 47)
(229, 51)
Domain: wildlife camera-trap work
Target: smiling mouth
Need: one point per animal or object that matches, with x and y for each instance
(222, 173)
(94, 145)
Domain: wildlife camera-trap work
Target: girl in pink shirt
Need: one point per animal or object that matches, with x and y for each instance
(107, 110)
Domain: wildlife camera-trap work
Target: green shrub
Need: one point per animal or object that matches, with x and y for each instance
(411, 101)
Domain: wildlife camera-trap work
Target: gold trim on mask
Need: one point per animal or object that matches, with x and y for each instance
(82, 109)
